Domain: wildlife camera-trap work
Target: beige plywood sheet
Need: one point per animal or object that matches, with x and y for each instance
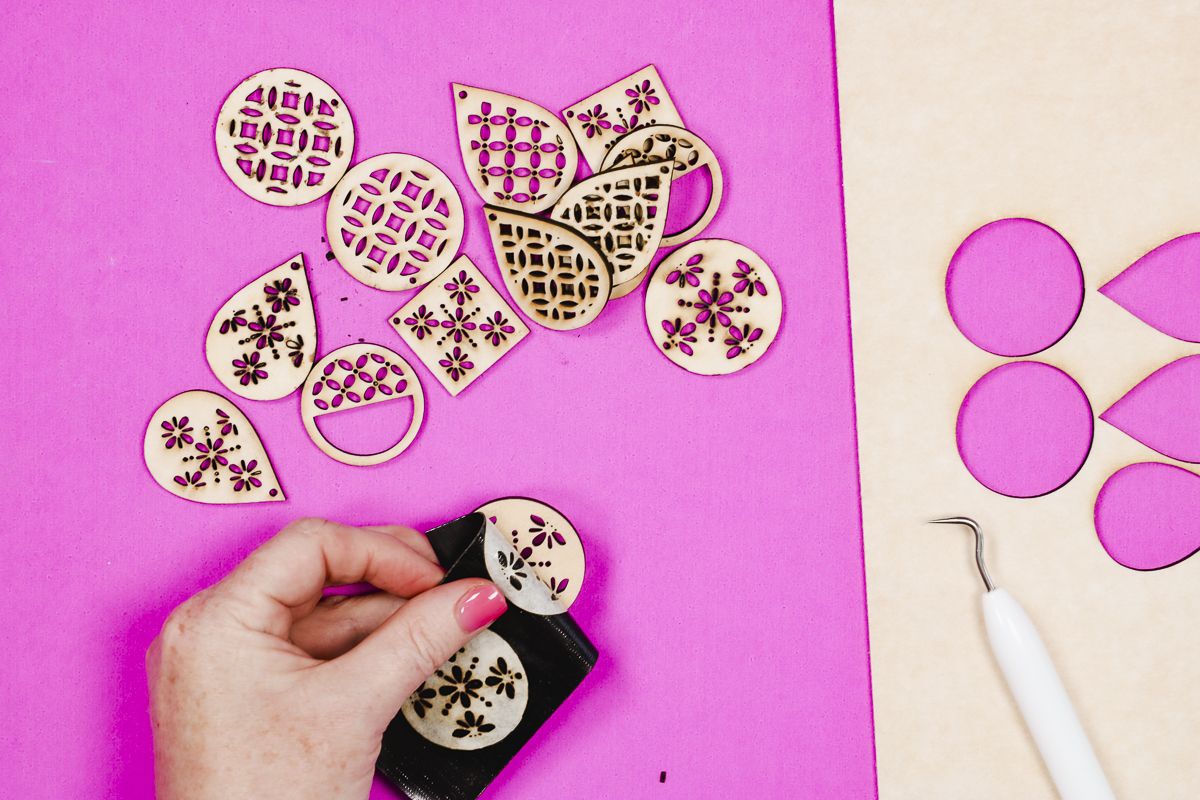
(1085, 117)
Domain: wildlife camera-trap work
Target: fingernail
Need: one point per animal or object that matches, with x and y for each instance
(481, 606)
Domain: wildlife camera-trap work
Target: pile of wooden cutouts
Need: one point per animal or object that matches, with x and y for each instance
(564, 249)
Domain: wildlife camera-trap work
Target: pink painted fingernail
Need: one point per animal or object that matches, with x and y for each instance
(480, 606)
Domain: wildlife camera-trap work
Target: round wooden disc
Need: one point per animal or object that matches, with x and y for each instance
(545, 538)
(284, 137)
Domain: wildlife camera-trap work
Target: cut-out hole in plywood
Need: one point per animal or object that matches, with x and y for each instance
(628, 105)
(459, 325)
(713, 307)
(547, 541)
(622, 212)
(1163, 411)
(355, 376)
(1162, 288)
(517, 154)
(262, 342)
(1014, 287)
(199, 446)
(284, 137)
(554, 274)
(1024, 429)
(687, 151)
(1146, 515)
(395, 221)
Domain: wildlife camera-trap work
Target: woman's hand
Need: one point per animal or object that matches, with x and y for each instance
(259, 688)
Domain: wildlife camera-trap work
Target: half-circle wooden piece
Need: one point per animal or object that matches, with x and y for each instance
(284, 137)
(199, 446)
(657, 143)
(262, 342)
(713, 307)
(354, 376)
(395, 221)
(553, 274)
(518, 155)
(622, 213)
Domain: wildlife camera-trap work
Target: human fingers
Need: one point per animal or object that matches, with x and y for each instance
(410, 646)
(281, 581)
(339, 622)
(413, 538)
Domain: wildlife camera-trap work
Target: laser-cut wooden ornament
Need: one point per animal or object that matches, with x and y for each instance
(517, 154)
(354, 376)
(628, 105)
(284, 137)
(199, 446)
(459, 325)
(554, 274)
(545, 539)
(665, 142)
(262, 342)
(622, 213)
(713, 307)
(394, 221)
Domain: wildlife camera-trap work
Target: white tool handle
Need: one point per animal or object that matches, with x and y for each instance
(1043, 700)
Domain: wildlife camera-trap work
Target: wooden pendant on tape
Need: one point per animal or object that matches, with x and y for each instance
(394, 221)
(199, 446)
(628, 105)
(355, 376)
(262, 342)
(622, 213)
(284, 137)
(554, 274)
(689, 152)
(518, 155)
(545, 539)
(713, 307)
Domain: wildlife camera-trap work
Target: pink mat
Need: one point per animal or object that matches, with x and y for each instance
(720, 515)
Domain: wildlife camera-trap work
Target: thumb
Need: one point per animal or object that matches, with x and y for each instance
(389, 665)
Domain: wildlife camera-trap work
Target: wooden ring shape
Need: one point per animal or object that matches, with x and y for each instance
(395, 222)
(284, 137)
(354, 376)
(657, 143)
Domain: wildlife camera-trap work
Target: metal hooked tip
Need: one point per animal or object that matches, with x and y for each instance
(973, 525)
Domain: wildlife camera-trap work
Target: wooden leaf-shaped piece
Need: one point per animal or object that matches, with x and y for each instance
(629, 104)
(284, 137)
(262, 342)
(688, 151)
(518, 155)
(621, 212)
(554, 274)
(395, 221)
(354, 376)
(201, 447)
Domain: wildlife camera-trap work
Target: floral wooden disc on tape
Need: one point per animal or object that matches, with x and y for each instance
(545, 540)
(459, 325)
(554, 274)
(475, 699)
(200, 447)
(284, 137)
(262, 342)
(355, 376)
(664, 143)
(622, 213)
(628, 105)
(518, 155)
(713, 307)
(395, 221)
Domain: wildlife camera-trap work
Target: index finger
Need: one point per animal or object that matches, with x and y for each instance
(291, 569)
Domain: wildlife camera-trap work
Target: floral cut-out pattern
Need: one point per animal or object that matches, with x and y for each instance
(201, 447)
(284, 137)
(459, 326)
(544, 540)
(474, 700)
(262, 342)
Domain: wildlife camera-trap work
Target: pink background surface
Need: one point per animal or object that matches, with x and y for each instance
(720, 515)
